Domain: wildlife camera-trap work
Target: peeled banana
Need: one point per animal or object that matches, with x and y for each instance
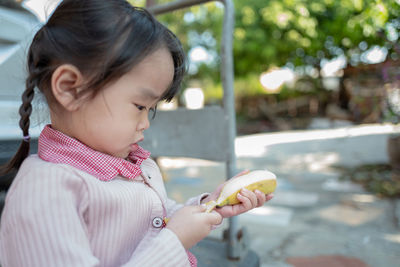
(262, 180)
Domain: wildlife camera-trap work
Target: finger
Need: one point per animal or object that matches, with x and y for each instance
(269, 197)
(214, 218)
(261, 197)
(251, 196)
(218, 218)
(245, 200)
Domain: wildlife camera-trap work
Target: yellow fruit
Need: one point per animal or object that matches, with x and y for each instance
(262, 180)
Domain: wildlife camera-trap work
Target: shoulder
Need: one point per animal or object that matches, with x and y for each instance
(35, 166)
(40, 186)
(40, 176)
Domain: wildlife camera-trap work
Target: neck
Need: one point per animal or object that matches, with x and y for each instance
(62, 122)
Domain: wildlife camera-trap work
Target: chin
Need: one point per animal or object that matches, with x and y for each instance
(120, 155)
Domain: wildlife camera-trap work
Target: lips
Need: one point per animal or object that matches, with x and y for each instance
(135, 146)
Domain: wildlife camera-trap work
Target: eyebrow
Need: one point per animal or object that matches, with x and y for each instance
(148, 93)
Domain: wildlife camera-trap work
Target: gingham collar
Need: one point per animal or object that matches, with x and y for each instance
(57, 147)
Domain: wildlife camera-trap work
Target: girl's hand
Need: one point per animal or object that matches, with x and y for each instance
(191, 224)
(249, 200)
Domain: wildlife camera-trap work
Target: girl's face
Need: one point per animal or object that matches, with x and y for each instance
(114, 120)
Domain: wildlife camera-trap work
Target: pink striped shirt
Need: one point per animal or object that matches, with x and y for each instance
(59, 215)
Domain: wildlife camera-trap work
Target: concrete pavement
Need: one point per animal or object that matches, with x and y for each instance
(313, 213)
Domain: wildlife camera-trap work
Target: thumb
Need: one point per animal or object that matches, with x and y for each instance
(214, 218)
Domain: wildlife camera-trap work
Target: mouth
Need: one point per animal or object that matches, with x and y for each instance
(135, 146)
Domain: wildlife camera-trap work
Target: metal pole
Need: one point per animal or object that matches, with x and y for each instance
(229, 108)
(227, 78)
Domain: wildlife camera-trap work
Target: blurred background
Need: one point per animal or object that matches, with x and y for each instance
(317, 96)
(297, 60)
(294, 60)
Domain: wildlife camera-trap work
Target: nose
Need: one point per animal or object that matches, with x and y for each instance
(143, 123)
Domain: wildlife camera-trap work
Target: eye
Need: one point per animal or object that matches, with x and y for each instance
(139, 107)
(152, 111)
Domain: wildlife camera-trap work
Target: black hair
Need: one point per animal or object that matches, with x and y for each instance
(104, 39)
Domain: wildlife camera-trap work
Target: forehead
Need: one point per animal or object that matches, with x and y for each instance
(154, 73)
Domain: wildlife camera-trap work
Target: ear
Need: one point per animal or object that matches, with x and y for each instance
(66, 82)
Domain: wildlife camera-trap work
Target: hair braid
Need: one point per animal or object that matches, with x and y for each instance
(25, 112)
(26, 107)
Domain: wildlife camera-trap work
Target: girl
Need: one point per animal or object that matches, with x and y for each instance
(92, 196)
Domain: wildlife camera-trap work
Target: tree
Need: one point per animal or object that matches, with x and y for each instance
(294, 32)
(303, 32)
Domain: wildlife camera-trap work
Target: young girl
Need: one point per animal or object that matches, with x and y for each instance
(92, 196)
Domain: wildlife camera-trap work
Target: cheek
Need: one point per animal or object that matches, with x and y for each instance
(96, 123)
(118, 119)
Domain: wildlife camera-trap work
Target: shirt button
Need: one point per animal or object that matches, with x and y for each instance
(157, 222)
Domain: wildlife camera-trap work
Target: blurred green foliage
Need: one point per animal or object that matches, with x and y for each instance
(290, 33)
(305, 32)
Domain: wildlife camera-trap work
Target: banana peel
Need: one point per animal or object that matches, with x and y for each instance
(262, 180)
